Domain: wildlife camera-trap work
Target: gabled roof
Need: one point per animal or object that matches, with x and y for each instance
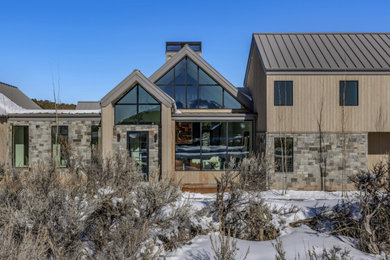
(88, 105)
(198, 60)
(136, 77)
(17, 96)
(323, 52)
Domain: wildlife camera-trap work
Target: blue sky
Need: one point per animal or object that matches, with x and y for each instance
(93, 45)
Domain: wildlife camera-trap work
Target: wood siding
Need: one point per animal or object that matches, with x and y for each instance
(256, 81)
(371, 115)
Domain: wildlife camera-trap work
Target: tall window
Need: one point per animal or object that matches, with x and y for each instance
(349, 93)
(137, 107)
(192, 88)
(96, 138)
(283, 93)
(210, 145)
(20, 141)
(284, 154)
(59, 141)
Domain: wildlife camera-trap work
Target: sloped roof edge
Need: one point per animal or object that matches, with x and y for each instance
(198, 60)
(136, 77)
(17, 96)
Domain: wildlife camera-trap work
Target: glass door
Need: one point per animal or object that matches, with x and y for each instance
(138, 146)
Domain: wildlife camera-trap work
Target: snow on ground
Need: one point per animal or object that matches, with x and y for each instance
(296, 241)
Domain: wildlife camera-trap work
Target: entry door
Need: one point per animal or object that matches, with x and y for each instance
(138, 146)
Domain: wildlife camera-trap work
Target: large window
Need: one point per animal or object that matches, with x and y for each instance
(283, 93)
(349, 93)
(210, 145)
(192, 88)
(284, 154)
(59, 142)
(137, 107)
(20, 141)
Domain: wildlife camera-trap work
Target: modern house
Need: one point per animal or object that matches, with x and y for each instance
(315, 105)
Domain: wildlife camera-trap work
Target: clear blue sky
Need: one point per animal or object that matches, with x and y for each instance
(95, 44)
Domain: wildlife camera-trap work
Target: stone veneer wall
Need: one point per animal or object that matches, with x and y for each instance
(79, 137)
(154, 147)
(306, 175)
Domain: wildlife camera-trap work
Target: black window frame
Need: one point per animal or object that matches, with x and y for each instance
(197, 85)
(62, 143)
(26, 135)
(137, 104)
(342, 90)
(284, 102)
(290, 166)
(227, 158)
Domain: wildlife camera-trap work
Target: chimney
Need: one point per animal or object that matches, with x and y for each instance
(172, 47)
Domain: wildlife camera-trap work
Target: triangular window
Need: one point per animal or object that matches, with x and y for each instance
(137, 107)
(192, 88)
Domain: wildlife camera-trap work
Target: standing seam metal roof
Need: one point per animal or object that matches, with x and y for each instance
(324, 51)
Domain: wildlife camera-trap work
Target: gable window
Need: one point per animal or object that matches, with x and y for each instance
(59, 144)
(284, 154)
(137, 107)
(349, 93)
(20, 141)
(192, 88)
(283, 93)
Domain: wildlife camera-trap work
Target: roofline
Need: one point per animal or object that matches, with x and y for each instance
(324, 72)
(253, 45)
(136, 77)
(198, 60)
(296, 33)
(28, 116)
(9, 85)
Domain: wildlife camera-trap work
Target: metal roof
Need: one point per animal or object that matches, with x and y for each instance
(328, 52)
(17, 96)
(88, 105)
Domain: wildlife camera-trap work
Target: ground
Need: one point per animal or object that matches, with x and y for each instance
(296, 241)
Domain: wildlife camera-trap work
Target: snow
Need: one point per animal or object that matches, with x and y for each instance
(7, 107)
(296, 241)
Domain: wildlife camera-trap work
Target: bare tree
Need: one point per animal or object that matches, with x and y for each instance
(322, 151)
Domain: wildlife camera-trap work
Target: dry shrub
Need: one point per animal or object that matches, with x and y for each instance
(225, 247)
(99, 210)
(366, 218)
(245, 214)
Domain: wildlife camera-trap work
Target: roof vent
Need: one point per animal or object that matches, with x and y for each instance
(172, 47)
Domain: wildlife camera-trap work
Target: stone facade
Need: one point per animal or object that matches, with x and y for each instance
(120, 133)
(40, 146)
(339, 160)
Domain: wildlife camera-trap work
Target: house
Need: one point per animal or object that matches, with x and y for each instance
(315, 105)
(324, 98)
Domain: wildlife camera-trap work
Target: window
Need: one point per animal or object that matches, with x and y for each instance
(192, 88)
(96, 138)
(137, 107)
(20, 141)
(284, 156)
(210, 145)
(349, 93)
(283, 93)
(59, 142)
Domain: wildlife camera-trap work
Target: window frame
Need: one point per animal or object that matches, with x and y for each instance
(67, 142)
(288, 168)
(137, 104)
(227, 158)
(27, 164)
(281, 104)
(341, 101)
(197, 85)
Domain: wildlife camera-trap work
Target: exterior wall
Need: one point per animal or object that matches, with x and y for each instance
(309, 91)
(79, 138)
(3, 140)
(306, 175)
(161, 147)
(121, 146)
(256, 82)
